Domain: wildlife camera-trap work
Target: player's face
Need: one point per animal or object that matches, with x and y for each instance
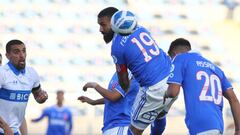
(105, 28)
(17, 56)
(60, 97)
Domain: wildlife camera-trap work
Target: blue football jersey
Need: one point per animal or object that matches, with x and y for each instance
(203, 86)
(118, 113)
(59, 120)
(148, 63)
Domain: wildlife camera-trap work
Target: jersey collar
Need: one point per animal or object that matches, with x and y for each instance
(16, 71)
(195, 51)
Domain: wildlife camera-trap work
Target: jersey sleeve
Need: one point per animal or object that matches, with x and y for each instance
(35, 78)
(177, 71)
(117, 53)
(120, 90)
(225, 83)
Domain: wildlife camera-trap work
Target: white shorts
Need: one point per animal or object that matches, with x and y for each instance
(149, 103)
(210, 132)
(116, 131)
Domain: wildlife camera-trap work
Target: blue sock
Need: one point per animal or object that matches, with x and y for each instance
(130, 131)
(158, 126)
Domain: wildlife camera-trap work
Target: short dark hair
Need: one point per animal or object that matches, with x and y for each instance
(177, 44)
(60, 92)
(109, 11)
(11, 43)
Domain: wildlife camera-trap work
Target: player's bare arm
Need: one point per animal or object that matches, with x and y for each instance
(172, 91)
(235, 108)
(40, 95)
(123, 76)
(23, 128)
(5, 127)
(90, 101)
(113, 95)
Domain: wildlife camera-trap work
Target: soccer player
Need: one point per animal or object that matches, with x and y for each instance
(17, 81)
(59, 117)
(118, 105)
(150, 65)
(204, 85)
(23, 127)
(104, 18)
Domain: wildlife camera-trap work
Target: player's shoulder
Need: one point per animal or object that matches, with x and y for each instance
(67, 109)
(187, 55)
(138, 30)
(180, 57)
(4, 69)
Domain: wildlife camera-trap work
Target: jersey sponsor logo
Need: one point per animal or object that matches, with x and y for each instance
(15, 95)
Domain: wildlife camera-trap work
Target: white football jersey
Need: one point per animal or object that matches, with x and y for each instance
(15, 88)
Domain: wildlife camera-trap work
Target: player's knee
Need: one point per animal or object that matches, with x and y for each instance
(134, 131)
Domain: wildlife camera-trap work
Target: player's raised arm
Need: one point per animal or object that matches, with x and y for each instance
(90, 101)
(112, 95)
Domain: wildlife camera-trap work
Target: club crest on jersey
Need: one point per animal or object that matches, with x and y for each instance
(114, 59)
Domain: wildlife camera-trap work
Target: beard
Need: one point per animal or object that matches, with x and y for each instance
(108, 37)
(21, 66)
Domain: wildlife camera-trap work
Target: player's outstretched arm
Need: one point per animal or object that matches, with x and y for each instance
(90, 101)
(108, 94)
(7, 130)
(235, 108)
(40, 95)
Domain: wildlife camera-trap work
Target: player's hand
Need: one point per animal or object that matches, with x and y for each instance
(40, 96)
(7, 130)
(89, 85)
(86, 99)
